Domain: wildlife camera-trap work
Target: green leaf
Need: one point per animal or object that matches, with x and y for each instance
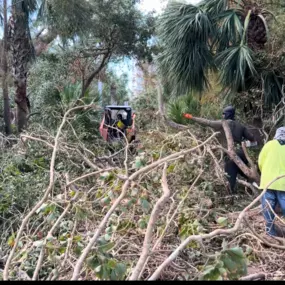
(11, 240)
(92, 262)
(98, 268)
(107, 237)
(38, 243)
(77, 238)
(145, 204)
(138, 163)
(78, 250)
(229, 264)
(106, 247)
(134, 192)
(208, 269)
(106, 201)
(222, 221)
(236, 251)
(237, 66)
(112, 263)
(185, 31)
(51, 217)
(121, 269)
(142, 224)
(170, 168)
(222, 270)
(109, 230)
(43, 206)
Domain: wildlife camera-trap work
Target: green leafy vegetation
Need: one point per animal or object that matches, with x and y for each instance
(74, 205)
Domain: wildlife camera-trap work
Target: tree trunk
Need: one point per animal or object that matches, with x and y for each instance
(160, 98)
(113, 94)
(21, 50)
(22, 111)
(7, 112)
(91, 77)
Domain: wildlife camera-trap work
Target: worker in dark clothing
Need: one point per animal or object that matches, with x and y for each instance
(239, 133)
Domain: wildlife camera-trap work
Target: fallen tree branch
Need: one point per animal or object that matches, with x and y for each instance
(35, 139)
(90, 163)
(255, 276)
(248, 185)
(46, 193)
(145, 169)
(249, 172)
(217, 232)
(172, 218)
(88, 175)
(174, 125)
(50, 235)
(251, 163)
(153, 218)
(261, 238)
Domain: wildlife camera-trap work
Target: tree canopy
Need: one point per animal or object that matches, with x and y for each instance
(231, 37)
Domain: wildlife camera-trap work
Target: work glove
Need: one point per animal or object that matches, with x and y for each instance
(188, 116)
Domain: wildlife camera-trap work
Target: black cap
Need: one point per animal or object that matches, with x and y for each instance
(229, 113)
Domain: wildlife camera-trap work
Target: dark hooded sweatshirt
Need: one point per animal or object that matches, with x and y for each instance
(239, 131)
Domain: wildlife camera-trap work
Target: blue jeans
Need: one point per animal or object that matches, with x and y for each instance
(273, 197)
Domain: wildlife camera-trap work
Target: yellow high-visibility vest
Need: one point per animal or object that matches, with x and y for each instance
(120, 125)
(271, 163)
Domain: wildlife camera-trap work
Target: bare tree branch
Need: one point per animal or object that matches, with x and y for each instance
(255, 276)
(153, 218)
(47, 192)
(217, 232)
(145, 169)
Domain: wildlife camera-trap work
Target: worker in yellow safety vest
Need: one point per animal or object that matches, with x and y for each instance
(271, 163)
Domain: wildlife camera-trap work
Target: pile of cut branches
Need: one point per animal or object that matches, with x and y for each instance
(158, 214)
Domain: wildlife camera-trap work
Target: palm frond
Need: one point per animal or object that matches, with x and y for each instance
(272, 84)
(236, 67)
(230, 28)
(215, 7)
(185, 31)
(183, 104)
(70, 94)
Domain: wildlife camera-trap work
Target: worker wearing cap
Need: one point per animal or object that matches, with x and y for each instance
(239, 133)
(271, 162)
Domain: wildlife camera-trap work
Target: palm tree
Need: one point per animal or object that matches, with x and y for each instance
(22, 52)
(7, 109)
(225, 35)
(77, 14)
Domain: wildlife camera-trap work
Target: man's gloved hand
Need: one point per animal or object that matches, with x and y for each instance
(188, 116)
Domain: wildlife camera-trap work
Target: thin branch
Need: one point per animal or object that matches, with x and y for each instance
(255, 276)
(145, 169)
(49, 235)
(153, 218)
(251, 163)
(46, 194)
(256, 235)
(90, 163)
(217, 232)
(35, 139)
(172, 218)
(88, 175)
(248, 185)
(229, 136)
